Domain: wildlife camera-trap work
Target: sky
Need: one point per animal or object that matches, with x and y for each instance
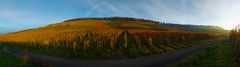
(25, 14)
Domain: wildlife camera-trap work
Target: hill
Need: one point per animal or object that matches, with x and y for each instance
(128, 23)
(198, 28)
(108, 38)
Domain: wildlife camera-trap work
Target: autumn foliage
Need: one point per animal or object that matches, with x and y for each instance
(91, 39)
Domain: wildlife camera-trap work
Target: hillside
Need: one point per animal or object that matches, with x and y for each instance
(128, 23)
(198, 28)
(157, 25)
(107, 38)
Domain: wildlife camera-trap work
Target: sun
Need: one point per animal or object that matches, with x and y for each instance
(229, 24)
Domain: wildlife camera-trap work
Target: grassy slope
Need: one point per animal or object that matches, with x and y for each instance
(216, 56)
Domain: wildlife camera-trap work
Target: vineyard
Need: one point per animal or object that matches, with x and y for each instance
(234, 38)
(235, 41)
(104, 39)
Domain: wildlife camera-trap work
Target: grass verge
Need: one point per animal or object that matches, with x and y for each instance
(219, 55)
(7, 60)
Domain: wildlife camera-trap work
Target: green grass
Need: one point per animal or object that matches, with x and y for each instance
(219, 55)
(7, 60)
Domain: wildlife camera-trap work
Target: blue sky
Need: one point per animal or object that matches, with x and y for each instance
(25, 14)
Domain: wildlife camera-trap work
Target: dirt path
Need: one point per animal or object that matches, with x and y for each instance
(161, 60)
